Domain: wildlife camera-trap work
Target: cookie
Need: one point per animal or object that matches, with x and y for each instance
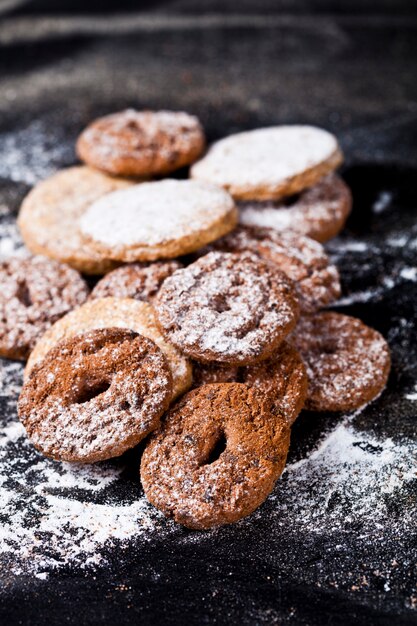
(282, 380)
(302, 259)
(95, 395)
(347, 362)
(230, 308)
(319, 212)
(158, 220)
(48, 218)
(215, 458)
(269, 163)
(141, 143)
(140, 281)
(35, 292)
(115, 313)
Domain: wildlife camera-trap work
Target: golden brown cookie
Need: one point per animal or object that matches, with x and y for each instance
(216, 457)
(95, 395)
(302, 259)
(347, 362)
(115, 313)
(34, 293)
(48, 218)
(282, 380)
(158, 220)
(230, 308)
(141, 143)
(319, 212)
(269, 163)
(140, 281)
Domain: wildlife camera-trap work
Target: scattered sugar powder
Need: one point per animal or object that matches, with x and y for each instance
(10, 241)
(33, 153)
(54, 515)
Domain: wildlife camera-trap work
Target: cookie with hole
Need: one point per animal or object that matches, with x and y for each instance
(95, 395)
(230, 308)
(216, 457)
(281, 380)
(115, 313)
(35, 293)
(347, 362)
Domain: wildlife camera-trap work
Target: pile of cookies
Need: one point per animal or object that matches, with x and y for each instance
(205, 335)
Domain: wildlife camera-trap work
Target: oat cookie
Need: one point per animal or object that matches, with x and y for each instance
(347, 362)
(269, 163)
(282, 380)
(230, 308)
(140, 281)
(48, 218)
(216, 457)
(141, 143)
(95, 395)
(319, 212)
(302, 259)
(35, 292)
(115, 313)
(158, 220)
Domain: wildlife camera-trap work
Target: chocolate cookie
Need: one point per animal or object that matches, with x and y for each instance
(49, 216)
(115, 313)
(231, 308)
(158, 220)
(282, 380)
(140, 281)
(35, 292)
(302, 259)
(319, 212)
(216, 457)
(269, 163)
(347, 362)
(141, 143)
(95, 395)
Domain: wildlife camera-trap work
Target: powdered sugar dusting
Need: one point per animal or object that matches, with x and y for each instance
(265, 156)
(155, 213)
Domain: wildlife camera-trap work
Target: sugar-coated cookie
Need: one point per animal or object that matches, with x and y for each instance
(269, 163)
(95, 395)
(115, 313)
(34, 293)
(347, 362)
(141, 143)
(319, 212)
(230, 308)
(158, 220)
(48, 218)
(216, 457)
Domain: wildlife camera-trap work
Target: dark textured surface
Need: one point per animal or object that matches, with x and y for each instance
(328, 561)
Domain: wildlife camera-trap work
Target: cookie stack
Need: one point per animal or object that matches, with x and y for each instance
(214, 283)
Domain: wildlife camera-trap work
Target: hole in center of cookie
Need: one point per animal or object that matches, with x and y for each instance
(291, 200)
(90, 391)
(220, 304)
(218, 449)
(23, 294)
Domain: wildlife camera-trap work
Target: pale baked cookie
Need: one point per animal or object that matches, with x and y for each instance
(158, 220)
(269, 163)
(230, 308)
(140, 281)
(216, 456)
(347, 362)
(141, 143)
(49, 215)
(34, 293)
(95, 395)
(319, 212)
(115, 313)
(302, 259)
